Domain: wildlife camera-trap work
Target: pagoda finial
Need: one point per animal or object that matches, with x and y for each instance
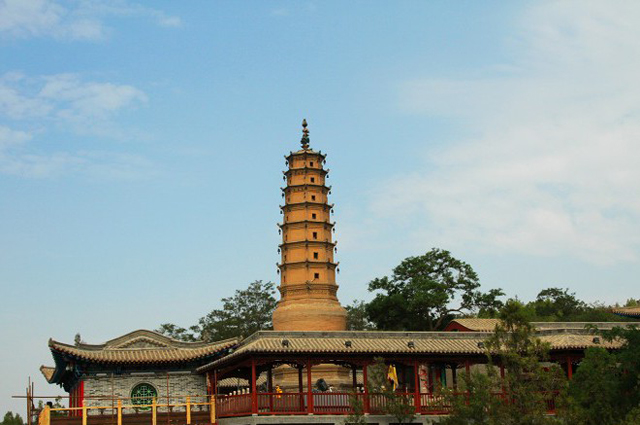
(305, 135)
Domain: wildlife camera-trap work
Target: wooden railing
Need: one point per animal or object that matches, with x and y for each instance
(188, 410)
(117, 411)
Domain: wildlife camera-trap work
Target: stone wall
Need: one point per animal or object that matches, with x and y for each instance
(180, 384)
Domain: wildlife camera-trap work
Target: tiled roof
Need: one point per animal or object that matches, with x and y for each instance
(142, 346)
(488, 325)
(47, 372)
(390, 343)
(627, 311)
(579, 341)
(477, 325)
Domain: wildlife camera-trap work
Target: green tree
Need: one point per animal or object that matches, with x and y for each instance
(181, 334)
(11, 419)
(247, 311)
(558, 304)
(606, 387)
(520, 398)
(424, 293)
(357, 319)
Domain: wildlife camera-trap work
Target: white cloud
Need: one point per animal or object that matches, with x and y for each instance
(64, 97)
(80, 100)
(80, 19)
(554, 167)
(9, 137)
(68, 104)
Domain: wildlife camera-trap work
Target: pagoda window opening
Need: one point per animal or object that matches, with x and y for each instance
(313, 197)
(313, 179)
(315, 256)
(316, 275)
(311, 164)
(313, 215)
(315, 235)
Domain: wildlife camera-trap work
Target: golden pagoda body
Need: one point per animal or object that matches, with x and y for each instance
(308, 286)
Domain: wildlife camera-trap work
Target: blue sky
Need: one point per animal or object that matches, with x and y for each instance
(142, 143)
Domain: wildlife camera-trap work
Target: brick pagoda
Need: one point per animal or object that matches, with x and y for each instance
(308, 286)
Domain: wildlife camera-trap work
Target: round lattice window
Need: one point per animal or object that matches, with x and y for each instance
(143, 394)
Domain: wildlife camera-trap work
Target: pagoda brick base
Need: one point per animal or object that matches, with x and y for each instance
(310, 315)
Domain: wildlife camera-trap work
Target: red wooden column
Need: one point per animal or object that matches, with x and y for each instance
(80, 396)
(300, 388)
(354, 378)
(416, 372)
(254, 392)
(569, 367)
(270, 388)
(309, 389)
(365, 405)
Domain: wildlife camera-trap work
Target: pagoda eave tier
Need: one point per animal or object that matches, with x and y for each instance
(306, 152)
(307, 242)
(303, 170)
(326, 189)
(305, 224)
(302, 205)
(307, 264)
(319, 285)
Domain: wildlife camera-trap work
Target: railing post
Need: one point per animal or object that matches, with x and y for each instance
(119, 412)
(416, 371)
(212, 409)
(188, 408)
(154, 418)
(84, 414)
(46, 416)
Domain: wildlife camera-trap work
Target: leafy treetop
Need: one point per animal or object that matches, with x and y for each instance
(425, 291)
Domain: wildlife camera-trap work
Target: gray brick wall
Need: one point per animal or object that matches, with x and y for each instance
(180, 384)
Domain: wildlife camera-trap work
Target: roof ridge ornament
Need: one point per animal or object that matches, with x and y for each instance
(305, 135)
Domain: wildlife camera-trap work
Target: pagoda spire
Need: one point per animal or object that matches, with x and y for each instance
(305, 135)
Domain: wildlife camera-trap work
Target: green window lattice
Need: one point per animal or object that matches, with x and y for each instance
(143, 394)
